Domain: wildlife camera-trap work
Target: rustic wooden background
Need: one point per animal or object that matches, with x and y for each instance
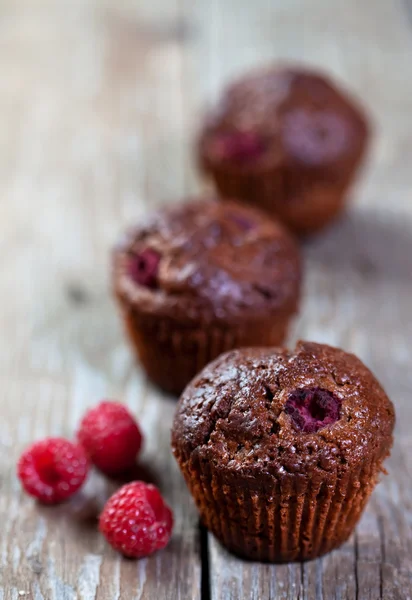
(98, 104)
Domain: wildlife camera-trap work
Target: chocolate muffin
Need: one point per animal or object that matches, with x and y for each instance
(202, 278)
(287, 140)
(281, 450)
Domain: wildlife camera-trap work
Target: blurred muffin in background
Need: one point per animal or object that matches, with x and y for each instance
(198, 279)
(288, 140)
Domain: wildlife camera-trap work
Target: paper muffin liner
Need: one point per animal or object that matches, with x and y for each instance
(292, 518)
(302, 202)
(172, 353)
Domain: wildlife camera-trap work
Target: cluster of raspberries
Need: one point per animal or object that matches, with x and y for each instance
(136, 521)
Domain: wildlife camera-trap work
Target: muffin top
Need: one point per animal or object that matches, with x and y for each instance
(280, 412)
(283, 116)
(209, 261)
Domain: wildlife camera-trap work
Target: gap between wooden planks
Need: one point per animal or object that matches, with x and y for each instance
(99, 102)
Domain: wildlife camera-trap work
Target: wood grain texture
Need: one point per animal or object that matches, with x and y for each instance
(99, 102)
(88, 97)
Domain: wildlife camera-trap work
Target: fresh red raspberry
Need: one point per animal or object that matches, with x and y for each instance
(53, 469)
(110, 437)
(136, 521)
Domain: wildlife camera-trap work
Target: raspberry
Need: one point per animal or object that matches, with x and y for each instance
(110, 437)
(239, 146)
(144, 268)
(136, 521)
(53, 469)
(313, 408)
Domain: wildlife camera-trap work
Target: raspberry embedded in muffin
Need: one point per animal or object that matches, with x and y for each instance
(144, 267)
(313, 408)
(238, 146)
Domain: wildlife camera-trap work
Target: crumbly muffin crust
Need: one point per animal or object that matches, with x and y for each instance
(234, 414)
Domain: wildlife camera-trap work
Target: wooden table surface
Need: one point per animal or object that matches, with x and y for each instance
(99, 101)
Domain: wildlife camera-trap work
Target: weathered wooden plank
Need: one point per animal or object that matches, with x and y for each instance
(88, 94)
(232, 578)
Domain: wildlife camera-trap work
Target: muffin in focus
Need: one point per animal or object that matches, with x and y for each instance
(281, 450)
(287, 140)
(202, 278)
